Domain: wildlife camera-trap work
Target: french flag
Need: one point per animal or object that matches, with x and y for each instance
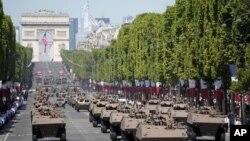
(44, 42)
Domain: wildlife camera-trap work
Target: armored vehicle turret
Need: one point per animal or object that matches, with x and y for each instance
(179, 112)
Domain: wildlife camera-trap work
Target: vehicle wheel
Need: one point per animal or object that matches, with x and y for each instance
(63, 137)
(104, 129)
(191, 134)
(78, 110)
(34, 138)
(90, 118)
(113, 136)
(94, 123)
(125, 137)
(222, 137)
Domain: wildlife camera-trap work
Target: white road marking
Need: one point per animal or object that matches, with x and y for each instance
(6, 137)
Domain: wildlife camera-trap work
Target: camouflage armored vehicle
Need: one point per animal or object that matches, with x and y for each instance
(82, 104)
(96, 111)
(179, 112)
(105, 114)
(47, 122)
(205, 121)
(91, 106)
(160, 128)
(129, 124)
(116, 118)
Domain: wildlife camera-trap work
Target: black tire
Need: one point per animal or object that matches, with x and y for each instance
(94, 123)
(90, 118)
(222, 137)
(113, 136)
(63, 137)
(34, 137)
(104, 128)
(125, 137)
(78, 110)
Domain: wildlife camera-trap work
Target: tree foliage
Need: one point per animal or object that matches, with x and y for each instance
(192, 39)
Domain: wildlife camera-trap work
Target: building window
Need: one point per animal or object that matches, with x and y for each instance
(61, 33)
(29, 33)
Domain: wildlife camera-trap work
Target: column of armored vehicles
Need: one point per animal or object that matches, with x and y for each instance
(170, 119)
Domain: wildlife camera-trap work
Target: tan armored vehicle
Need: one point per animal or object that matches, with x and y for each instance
(160, 128)
(152, 104)
(96, 111)
(179, 112)
(164, 106)
(47, 122)
(82, 104)
(105, 114)
(205, 121)
(116, 118)
(129, 124)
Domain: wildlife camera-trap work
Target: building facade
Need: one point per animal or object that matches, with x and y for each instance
(46, 32)
(73, 30)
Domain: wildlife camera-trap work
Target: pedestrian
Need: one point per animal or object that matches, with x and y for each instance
(232, 118)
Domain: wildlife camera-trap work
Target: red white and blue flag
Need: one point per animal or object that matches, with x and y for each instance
(44, 42)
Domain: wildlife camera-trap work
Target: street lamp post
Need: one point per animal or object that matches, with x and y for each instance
(241, 108)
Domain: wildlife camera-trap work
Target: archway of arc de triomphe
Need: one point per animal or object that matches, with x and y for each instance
(45, 25)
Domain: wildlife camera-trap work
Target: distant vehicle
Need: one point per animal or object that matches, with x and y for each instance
(60, 102)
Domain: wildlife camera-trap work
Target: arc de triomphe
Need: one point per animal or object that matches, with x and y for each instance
(45, 26)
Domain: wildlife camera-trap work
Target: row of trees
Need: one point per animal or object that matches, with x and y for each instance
(192, 39)
(14, 58)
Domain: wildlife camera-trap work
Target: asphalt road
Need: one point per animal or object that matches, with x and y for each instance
(78, 127)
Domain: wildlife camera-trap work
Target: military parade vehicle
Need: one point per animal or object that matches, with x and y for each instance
(46, 119)
(164, 106)
(105, 114)
(129, 124)
(179, 111)
(82, 103)
(96, 111)
(160, 128)
(116, 118)
(152, 104)
(205, 121)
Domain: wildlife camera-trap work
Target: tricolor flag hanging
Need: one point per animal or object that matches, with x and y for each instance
(218, 92)
(44, 42)
(191, 88)
(204, 89)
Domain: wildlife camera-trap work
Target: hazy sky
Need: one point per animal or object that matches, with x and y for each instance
(113, 9)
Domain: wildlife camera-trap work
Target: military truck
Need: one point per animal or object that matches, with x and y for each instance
(96, 112)
(82, 104)
(105, 114)
(205, 121)
(116, 118)
(160, 128)
(129, 124)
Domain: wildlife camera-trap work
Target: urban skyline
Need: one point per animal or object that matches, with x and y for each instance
(97, 8)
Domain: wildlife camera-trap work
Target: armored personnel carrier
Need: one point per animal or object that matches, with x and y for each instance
(96, 111)
(105, 114)
(116, 118)
(164, 106)
(82, 104)
(179, 112)
(160, 128)
(205, 121)
(47, 122)
(152, 104)
(129, 124)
